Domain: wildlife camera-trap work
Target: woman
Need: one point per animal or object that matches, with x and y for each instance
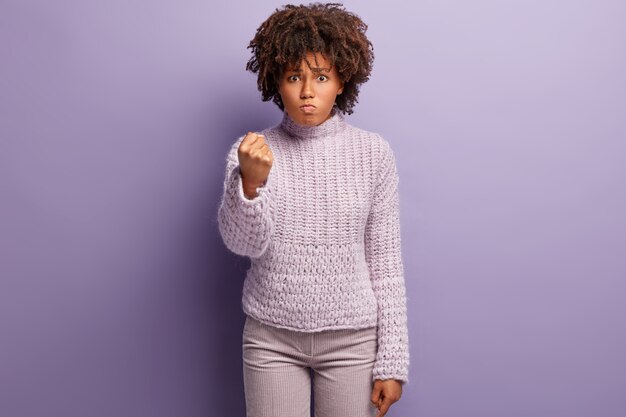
(313, 202)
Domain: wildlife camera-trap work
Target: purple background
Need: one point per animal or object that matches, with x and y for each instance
(118, 298)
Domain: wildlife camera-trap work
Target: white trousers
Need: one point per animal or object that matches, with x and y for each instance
(281, 365)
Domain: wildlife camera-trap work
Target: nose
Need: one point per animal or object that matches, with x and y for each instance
(307, 89)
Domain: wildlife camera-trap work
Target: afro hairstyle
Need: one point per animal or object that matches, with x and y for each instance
(285, 37)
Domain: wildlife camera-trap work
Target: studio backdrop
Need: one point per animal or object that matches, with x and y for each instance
(118, 297)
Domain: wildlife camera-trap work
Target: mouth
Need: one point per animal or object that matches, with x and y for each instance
(307, 108)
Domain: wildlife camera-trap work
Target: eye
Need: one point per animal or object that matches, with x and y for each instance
(323, 76)
(291, 78)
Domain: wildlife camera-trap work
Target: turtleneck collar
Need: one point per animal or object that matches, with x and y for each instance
(330, 127)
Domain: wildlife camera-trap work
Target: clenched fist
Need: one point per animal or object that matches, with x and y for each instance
(255, 162)
(385, 393)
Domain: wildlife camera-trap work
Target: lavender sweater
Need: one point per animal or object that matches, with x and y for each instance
(323, 236)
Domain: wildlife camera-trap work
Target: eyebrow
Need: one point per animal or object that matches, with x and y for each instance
(314, 69)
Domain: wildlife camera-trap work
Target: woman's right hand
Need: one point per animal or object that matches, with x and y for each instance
(255, 162)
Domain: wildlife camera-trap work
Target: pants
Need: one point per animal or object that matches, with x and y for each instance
(280, 365)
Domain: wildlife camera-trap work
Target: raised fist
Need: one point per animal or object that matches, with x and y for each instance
(255, 162)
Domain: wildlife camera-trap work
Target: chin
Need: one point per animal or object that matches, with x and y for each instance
(312, 119)
(307, 120)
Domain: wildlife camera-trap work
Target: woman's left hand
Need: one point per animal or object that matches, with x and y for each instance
(385, 393)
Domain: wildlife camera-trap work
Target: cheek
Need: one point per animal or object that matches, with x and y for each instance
(287, 94)
(330, 93)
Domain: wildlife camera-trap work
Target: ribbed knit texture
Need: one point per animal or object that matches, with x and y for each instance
(280, 366)
(323, 236)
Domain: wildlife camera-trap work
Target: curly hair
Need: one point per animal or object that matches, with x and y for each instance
(292, 31)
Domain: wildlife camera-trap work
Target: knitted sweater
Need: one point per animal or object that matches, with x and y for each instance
(323, 236)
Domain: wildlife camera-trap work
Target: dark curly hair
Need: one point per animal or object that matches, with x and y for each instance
(292, 31)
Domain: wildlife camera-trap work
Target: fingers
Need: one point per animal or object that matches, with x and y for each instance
(254, 140)
(383, 396)
(375, 397)
(384, 407)
(254, 144)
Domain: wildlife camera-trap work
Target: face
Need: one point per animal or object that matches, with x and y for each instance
(309, 95)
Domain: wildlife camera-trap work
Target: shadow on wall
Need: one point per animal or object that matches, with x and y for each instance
(226, 271)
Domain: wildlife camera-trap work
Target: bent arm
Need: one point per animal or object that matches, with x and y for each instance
(246, 225)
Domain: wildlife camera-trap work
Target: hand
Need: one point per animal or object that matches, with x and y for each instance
(385, 393)
(255, 162)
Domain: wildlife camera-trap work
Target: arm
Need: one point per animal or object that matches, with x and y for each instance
(384, 259)
(246, 224)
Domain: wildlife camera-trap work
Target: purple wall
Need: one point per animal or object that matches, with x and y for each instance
(118, 298)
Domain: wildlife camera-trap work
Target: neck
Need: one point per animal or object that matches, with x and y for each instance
(330, 127)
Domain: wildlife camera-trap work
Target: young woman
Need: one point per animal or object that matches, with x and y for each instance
(313, 202)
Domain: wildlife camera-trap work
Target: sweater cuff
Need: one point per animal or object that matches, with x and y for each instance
(391, 370)
(246, 225)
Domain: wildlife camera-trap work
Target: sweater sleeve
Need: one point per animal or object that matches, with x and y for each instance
(246, 225)
(384, 259)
